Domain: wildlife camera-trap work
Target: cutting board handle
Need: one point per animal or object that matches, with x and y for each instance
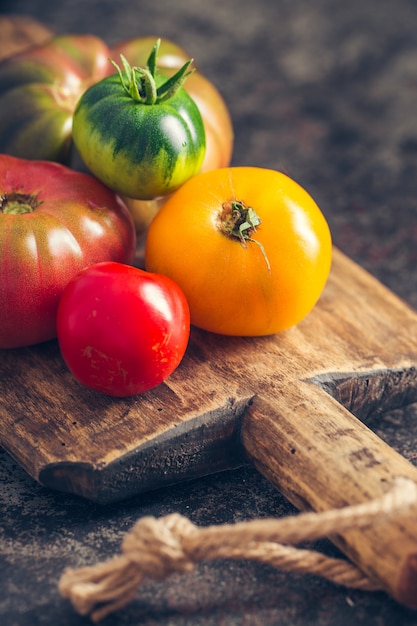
(321, 457)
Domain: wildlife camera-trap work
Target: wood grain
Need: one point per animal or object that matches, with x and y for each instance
(105, 448)
(289, 404)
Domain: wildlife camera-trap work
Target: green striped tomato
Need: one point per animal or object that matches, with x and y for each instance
(140, 133)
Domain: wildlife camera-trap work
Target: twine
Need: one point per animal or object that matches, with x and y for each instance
(156, 548)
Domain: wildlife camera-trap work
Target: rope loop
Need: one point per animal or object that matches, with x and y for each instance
(156, 548)
(157, 545)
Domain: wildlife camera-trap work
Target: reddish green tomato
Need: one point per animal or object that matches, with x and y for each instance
(47, 81)
(39, 89)
(121, 330)
(53, 223)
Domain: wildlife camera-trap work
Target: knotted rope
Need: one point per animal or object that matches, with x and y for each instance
(156, 548)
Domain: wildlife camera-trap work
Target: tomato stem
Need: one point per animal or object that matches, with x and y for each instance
(240, 221)
(18, 203)
(140, 82)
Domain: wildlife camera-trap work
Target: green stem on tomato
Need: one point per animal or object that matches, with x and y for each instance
(140, 83)
(240, 221)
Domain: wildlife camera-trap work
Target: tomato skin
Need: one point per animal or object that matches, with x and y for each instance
(21, 32)
(76, 221)
(237, 289)
(217, 122)
(121, 330)
(147, 150)
(39, 89)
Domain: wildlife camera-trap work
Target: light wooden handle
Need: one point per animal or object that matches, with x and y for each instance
(321, 457)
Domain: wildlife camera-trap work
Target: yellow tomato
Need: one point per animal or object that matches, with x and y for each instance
(249, 247)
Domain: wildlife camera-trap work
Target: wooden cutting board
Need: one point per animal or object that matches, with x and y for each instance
(285, 403)
(290, 404)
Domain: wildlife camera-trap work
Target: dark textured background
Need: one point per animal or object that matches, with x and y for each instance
(327, 92)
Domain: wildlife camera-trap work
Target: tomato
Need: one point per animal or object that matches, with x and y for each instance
(121, 330)
(155, 140)
(249, 247)
(47, 80)
(53, 223)
(39, 89)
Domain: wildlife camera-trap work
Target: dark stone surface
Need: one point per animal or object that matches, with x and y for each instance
(327, 92)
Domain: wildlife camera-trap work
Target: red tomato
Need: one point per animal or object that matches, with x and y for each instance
(122, 330)
(53, 223)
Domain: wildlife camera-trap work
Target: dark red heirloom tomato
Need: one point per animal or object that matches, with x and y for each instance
(122, 330)
(53, 223)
